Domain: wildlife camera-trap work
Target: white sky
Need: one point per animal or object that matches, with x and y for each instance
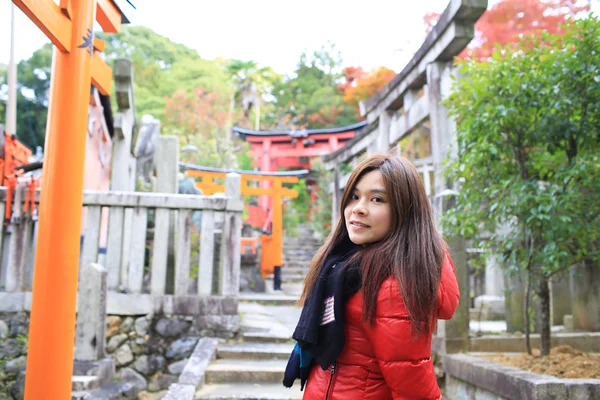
(270, 32)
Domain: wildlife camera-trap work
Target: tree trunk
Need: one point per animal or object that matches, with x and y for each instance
(544, 295)
(526, 313)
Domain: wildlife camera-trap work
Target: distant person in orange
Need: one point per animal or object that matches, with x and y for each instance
(374, 291)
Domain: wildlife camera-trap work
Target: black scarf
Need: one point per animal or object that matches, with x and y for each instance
(324, 342)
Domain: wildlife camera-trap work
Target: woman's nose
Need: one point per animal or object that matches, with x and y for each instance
(359, 208)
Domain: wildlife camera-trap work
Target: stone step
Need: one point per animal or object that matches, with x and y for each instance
(255, 351)
(301, 245)
(296, 265)
(268, 298)
(292, 288)
(274, 391)
(288, 278)
(299, 251)
(265, 337)
(293, 271)
(240, 371)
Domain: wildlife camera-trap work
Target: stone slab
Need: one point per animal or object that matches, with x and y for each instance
(256, 351)
(587, 342)
(503, 382)
(250, 371)
(12, 301)
(129, 304)
(193, 372)
(180, 392)
(257, 391)
(262, 337)
(266, 298)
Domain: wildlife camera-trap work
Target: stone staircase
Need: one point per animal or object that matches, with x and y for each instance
(253, 368)
(297, 253)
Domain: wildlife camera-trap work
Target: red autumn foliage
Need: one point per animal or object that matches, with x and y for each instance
(325, 117)
(360, 86)
(508, 20)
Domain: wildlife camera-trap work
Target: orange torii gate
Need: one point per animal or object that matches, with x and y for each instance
(272, 239)
(76, 64)
(277, 149)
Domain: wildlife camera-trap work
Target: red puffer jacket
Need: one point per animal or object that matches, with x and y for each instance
(383, 361)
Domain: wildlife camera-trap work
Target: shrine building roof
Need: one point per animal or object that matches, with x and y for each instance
(243, 132)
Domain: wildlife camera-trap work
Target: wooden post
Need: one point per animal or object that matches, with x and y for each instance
(52, 329)
(75, 66)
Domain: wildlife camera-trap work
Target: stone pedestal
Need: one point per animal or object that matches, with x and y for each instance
(91, 313)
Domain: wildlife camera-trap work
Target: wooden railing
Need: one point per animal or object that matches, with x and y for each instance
(141, 228)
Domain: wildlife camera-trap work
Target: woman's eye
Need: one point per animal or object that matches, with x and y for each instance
(353, 197)
(377, 199)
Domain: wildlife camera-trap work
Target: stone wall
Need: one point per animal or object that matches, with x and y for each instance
(472, 378)
(150, 349)
(14, 329)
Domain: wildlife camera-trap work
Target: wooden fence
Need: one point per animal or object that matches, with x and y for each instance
(142, 277)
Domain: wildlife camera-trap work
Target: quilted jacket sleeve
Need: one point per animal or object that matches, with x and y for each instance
(448, 292)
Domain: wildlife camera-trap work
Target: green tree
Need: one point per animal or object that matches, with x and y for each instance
(250, 82)
(161, 67)
(311, 97)
(528, 129)
(201, 119)
(33, 85)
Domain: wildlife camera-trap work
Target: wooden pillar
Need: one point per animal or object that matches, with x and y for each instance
(52, 327)
(333, 143)
(277, 233)
(265, 166)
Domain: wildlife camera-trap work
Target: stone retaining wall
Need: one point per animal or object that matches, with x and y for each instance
(14, 329)
(584, 341)
(469, 377)
(152, 349)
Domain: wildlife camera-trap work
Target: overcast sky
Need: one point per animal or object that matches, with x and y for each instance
(270, 32)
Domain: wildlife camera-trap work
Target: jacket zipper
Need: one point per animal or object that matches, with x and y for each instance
(330, 381)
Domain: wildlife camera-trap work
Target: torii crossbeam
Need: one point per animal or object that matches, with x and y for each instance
(75, 64)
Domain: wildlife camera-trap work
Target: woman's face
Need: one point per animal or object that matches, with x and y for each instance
(368, 214)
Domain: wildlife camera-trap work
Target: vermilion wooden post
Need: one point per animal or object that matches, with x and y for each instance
(52, 326)
(68, 24)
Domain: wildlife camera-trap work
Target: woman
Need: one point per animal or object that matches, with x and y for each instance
(374, 291)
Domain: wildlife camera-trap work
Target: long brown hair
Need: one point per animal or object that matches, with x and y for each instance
(412, 252)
